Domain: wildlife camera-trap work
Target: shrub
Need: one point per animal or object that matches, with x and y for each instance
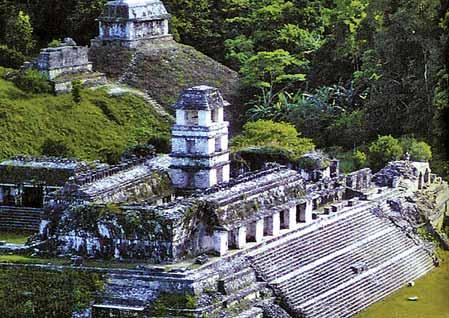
(139, 151)
(110, 155)
(161, 143)
(54, 43)
(76, 91)
(55, 148)
(266, 133)
(384, 150)
(32, 81)
(360, 159)
(418, 150)
(11, 58)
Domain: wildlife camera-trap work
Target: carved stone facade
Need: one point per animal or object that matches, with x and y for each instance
(129, 23)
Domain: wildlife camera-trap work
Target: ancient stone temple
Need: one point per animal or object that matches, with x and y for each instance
(128, 23)
(200, 155)
(66, 63)
(274, 242)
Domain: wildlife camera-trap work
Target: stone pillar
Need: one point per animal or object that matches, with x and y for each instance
(272, 224)
(180, 117)
(292, 217)
(226, 173)
(335, 168)
(308, 213)
(255, 231)
(221, 241)
(276, 224)
(240, 239)
(259, 231)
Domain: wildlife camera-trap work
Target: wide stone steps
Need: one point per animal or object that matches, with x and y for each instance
(337, 270)
(254, 312)
(117, 311)
(127, 290)
(353, 297)
(20, 219)
(305, 250)
(329, 271)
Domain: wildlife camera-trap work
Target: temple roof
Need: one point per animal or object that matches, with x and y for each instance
(200, 98)
(144, 10)
(48, 170)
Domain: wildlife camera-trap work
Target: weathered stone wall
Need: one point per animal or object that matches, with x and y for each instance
(64, 59)
(133, 30)
(110, 231)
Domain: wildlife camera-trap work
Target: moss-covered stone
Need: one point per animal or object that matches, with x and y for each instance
(167, 302)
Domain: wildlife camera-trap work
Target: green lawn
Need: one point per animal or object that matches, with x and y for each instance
(433, 293)
(25, 259)
(14, 237)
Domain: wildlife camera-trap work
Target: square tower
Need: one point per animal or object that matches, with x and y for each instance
(200, 153)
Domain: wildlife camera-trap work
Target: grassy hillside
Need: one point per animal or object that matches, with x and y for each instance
(100, 127)
(433, 293)
(165, 68)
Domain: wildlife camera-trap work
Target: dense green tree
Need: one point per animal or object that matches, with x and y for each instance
(19, 33)
(341, 71)
(269, 134)
(269, 70)
(418, 150)
(384, 150)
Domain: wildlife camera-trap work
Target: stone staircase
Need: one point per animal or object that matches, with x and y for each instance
(242, 293)
(126, 295)
(352, 260)
(19, 218)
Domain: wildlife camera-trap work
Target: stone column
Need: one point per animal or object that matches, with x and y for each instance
(259, 231)
(221, 241)
(308, 213)
(274, 226)
(255, 231)
(292, 217)
(240, 239)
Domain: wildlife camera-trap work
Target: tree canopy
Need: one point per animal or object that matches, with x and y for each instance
(343, 72)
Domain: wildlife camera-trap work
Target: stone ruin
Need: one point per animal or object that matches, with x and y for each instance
(64, 64)
(267, 243)
(129, 23)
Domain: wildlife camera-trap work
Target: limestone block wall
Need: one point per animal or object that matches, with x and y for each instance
(55, 61)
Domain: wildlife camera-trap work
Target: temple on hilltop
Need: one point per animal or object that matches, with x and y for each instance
(128, 23)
